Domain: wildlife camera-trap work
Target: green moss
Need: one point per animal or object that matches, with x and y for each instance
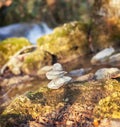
(69, 39)
(9, 47)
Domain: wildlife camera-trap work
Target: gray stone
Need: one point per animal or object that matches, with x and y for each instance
(102, 56)
(106, 73)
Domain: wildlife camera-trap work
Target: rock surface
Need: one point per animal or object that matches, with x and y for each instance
(106, 73)
(114, 59)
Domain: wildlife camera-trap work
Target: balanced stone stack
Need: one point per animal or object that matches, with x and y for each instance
(57, 75)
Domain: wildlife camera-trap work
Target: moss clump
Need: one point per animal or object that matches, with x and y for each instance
(112, 86)
(109, 107)
(35, 60)
(9, 47)
(42, 102)
(69, 39)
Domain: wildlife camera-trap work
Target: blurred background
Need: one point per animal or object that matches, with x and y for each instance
(35, 18)
(52, 12)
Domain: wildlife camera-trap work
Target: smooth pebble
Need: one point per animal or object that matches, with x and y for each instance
(57, 83)
(106, 73)
(57, 67)
(101, 56)
(55, 74)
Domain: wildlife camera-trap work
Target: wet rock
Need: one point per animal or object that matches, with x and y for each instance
(102, 56)
(106, 73)
(114, 59)
(9, 47)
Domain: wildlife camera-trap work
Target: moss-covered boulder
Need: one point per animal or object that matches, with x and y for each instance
(9, 47)
(35, 61)
(66, 41)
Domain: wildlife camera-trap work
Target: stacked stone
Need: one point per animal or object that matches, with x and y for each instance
(57, 77)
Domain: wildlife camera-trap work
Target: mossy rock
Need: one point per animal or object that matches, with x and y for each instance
(66, 41)
(9, 47)
(36, 60)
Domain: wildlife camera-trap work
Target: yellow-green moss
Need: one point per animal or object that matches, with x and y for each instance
(112, 86)
(66, 40)
(42, 102)
(109, 107)
(10, 46)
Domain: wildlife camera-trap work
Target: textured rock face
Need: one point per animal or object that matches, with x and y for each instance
(65, 41)
(9, 47)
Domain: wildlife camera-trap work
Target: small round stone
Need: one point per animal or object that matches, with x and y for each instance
(57, 67)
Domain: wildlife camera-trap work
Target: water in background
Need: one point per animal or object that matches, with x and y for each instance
(31, 31)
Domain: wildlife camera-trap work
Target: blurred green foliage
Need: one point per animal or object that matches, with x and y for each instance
(54, 14)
